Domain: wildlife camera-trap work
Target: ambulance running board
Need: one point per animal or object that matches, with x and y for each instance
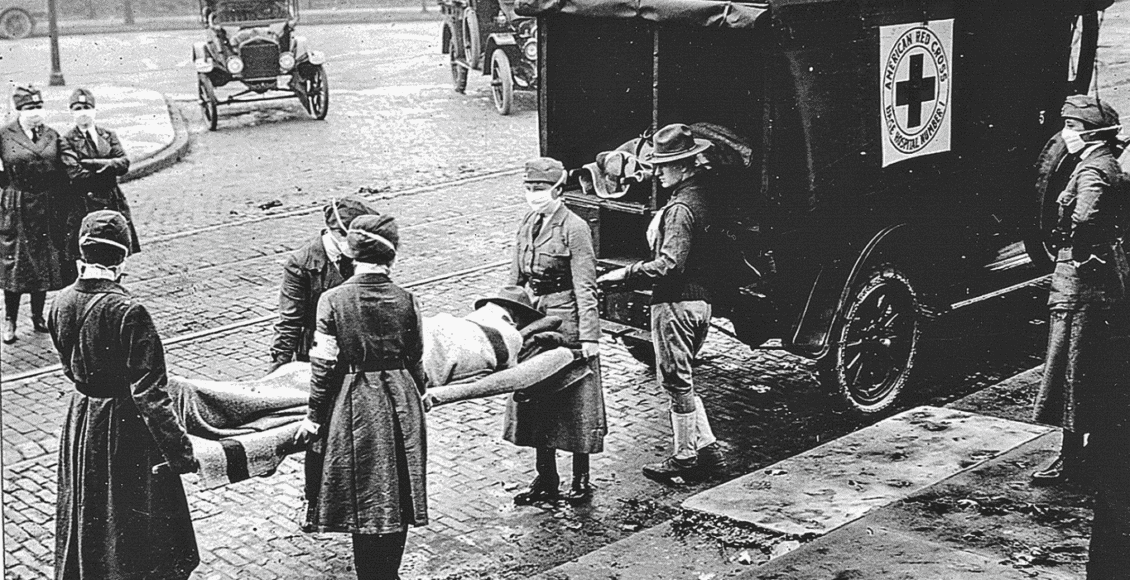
(1042, 281)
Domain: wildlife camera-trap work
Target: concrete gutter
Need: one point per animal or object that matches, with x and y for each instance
(166, 157)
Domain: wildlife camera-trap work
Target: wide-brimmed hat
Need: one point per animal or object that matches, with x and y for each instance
(105, 227)
(374, 238)
(515, 298)
(82, 97)
(544, 170)
(26, 95)
(674, 142)
(1098, 114)
(340, 213)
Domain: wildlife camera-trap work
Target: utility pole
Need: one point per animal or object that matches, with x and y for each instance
(127, 11)
(53, 32)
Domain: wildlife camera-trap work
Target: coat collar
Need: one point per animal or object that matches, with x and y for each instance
(314, 254)
(94, 286)
(369, 279)
(16, 134)
(553, 220)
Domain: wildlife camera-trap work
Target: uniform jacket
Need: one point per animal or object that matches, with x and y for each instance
(458, 348)
(571, 419)
(33, 200)
(678, 265)
(307, 274)
(369, 417)
(97, 189)
(115, 519)
(1094, 207)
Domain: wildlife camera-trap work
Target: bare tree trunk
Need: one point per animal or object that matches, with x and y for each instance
(127, 11)
(91, 12)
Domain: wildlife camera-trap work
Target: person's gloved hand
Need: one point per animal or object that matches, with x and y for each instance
(278, 359)
(98, 165)
(613, 277)
(590, 349)
(428, 400)
(307, 431)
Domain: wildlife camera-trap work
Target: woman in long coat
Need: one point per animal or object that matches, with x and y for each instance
(1078, 391)
(555, 261)
(115, 518)
(366, 407)
(35, 188)
(94, 159)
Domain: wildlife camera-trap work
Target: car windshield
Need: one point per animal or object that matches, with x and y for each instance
(237, 11)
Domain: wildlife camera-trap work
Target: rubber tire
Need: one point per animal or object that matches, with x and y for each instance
(833, 369)
(641, 350)
(501, 82)
(472, 41)
(16, 23)
(208, 102)
(1053, 170)
(1088, 36)
(458, 71)
(318, 93)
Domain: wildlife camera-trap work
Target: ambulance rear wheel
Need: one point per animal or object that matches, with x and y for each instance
(1053, 170)
(875, 343)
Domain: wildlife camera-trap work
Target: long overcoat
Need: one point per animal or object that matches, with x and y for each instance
(97, 189)
(1079, 385)
(367, 398)
(115, 519)
(571, 419)
(35, 196)
(307, 274)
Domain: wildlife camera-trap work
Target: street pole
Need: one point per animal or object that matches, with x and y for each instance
(53, 32)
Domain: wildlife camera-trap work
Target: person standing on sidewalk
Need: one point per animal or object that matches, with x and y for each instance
(680, 299)
(554, 260)
(322, 263)
(367, 393)
(94, 159)
(33, 183)
(1089, 280)
(115, 518)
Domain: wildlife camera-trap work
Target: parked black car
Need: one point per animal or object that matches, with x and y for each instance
(487, 35)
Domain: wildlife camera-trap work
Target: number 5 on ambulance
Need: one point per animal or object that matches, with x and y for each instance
(871, 163)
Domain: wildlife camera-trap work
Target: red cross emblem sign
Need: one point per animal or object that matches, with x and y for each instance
(915, 75)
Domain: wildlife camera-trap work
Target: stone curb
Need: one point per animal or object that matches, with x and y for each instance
(169, 155)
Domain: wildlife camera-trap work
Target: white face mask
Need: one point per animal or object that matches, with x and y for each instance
(31, 117)
(1073, 139)
(99, 272)
(541, 200)
(84, 118)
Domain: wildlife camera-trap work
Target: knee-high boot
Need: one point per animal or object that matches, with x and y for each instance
(581, 490)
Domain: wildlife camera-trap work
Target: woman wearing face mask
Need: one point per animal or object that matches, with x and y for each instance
(1089, 280)
(555, 261)
(94, 159)
(33, 182)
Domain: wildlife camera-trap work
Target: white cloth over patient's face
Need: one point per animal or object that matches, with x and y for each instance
(456, 348)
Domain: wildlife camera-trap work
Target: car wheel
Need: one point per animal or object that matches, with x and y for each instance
(501, 82)
(16, 23)
(318, 93)
(208, 102)
(1053, 170)
(472, 43)
(458, 65)
(875, 343)
(1084, 45)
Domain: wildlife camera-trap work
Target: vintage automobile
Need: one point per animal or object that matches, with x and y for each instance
(18, 17)
(487, 35)
(874, 161)
(253, 42)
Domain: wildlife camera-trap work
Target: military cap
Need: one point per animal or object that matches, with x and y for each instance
(544, 170)
(1092, 111)
(374, 238)
(23, 96)
(340, 213)
(105, 227)
(83, 97)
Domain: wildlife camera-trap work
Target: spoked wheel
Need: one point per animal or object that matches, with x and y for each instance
(1053, 170)
(1084, 44)
(501, 82)
(318, 93)
(16, 23)
(874, 347)
(208, 102)
(458, 65)
(472, 43)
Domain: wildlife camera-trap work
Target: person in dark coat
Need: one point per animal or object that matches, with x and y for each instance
(1088, 282)
(680, 298)
(367, 407)
(94, 159)
(34, 189)
(322, 263)
(555, 261)
(115, 518)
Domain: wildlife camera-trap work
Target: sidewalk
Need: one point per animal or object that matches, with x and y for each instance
(928, 493)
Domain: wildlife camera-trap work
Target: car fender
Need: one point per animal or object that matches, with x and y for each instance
(202, 58)
(504, 40)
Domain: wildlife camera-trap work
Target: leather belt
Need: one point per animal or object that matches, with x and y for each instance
(372, 366)
(543, 286)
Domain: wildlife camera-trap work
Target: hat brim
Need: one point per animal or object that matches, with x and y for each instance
(525, 311)
(595, 181)
(654, 158)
